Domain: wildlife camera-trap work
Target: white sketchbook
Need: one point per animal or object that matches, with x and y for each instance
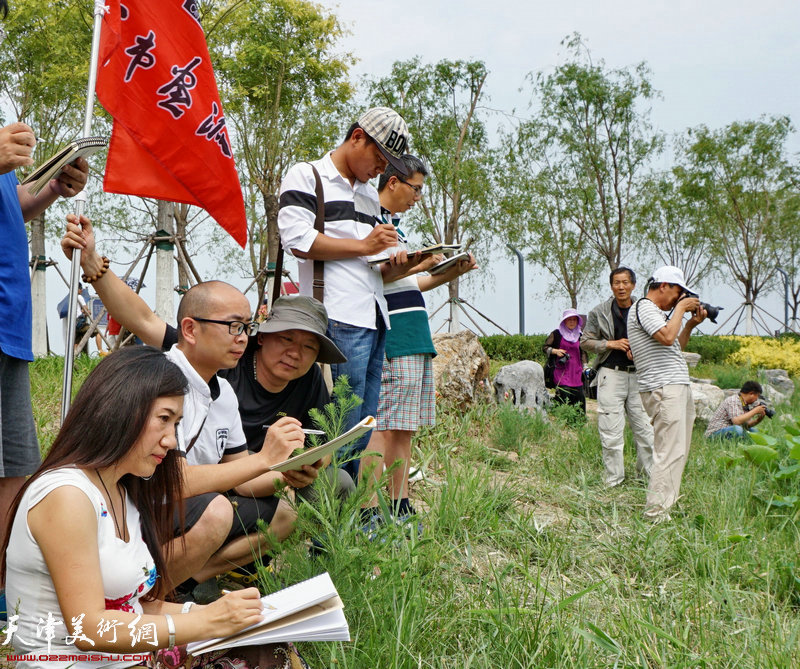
(428, 250)
(79, 148)
(310, 456)
(447, 263)
(308, 611)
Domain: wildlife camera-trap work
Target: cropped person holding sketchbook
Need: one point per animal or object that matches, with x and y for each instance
(18, 441)
(407, 398)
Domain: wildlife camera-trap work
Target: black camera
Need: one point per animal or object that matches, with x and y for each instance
(711, 311)
(769, 413)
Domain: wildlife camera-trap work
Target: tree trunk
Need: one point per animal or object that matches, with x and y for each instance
(452, 290)
(273, 244)
(181, 214)
(165, 275)
(39, 288)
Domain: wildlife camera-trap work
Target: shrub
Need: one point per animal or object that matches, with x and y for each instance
(768, 353)
(514, 347)
(714, 349)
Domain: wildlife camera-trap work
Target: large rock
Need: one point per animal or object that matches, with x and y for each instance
(707, 398)
(461, 368)
(523, 384)
(691, 358)
(778, 380)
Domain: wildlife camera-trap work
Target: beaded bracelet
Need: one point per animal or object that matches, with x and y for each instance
(103, 269)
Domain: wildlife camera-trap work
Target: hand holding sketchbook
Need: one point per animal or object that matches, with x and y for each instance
(428, 250)
(310, 456)
(308, 611)
(447, 263)
(79, 148)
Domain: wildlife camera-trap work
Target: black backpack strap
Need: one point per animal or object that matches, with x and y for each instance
(319, 268)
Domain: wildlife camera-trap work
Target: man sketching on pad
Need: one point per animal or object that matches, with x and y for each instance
(407, 394)
(353, 235)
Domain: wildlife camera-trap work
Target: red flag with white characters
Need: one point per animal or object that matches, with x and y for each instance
(170, 140)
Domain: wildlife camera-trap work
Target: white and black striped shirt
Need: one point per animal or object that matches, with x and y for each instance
(657, 365)
(352, 286)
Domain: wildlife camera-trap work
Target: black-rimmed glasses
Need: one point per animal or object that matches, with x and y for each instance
(417, 189)
(234, 327)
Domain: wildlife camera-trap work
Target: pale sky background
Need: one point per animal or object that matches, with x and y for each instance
(714, 62)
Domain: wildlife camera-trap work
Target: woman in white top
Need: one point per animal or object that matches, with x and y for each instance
(84, 559)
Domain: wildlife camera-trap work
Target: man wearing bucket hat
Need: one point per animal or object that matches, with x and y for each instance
(350, 288)
(277, 375)
(656, 342)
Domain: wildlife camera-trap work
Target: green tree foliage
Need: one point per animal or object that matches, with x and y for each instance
(540, 207)
(740, 177)
(443, 106)
(593, 133)
(284, 88)
(671, 228)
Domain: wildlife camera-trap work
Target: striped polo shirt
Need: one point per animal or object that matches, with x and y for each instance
(656, 365)
(410, 333)
(352, 287)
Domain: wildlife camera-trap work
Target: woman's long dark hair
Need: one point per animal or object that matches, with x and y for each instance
(104, 422)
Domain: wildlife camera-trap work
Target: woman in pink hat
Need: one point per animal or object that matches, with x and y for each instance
(563, 344)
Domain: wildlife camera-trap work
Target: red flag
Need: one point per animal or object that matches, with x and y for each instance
(169, 140)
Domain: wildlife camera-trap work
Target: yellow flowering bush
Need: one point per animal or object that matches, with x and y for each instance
(768, 353)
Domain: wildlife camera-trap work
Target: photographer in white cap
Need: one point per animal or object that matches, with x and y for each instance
(352, 234)
(656, 341)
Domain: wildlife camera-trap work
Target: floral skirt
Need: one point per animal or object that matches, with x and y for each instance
(266, 656)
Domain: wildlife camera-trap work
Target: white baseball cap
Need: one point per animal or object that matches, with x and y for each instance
(389, 132)
(671, 274)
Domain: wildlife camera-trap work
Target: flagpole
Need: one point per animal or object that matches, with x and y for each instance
(80, 205)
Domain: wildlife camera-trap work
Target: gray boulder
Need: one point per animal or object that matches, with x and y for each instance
(707, 398)
(461, 368)
(691, 358)
(523, 384)
(778, 380)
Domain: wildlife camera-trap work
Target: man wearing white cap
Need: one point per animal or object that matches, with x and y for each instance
(353, 234)
(656, 341)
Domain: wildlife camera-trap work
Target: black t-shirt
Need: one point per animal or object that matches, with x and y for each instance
(259, 407)
(619, 316)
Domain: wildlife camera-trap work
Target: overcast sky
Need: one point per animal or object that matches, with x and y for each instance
(713, 61)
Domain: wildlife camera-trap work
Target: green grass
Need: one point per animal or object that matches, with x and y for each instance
(527, 560)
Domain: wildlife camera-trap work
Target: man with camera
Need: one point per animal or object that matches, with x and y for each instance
(606, 335)
(738, 413)
(656, 343)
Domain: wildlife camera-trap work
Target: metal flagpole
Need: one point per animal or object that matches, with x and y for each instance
(80, 203)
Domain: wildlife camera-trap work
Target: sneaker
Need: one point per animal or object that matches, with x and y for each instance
(415, 475)
(206, 592)
(373, 526)
(407, 520)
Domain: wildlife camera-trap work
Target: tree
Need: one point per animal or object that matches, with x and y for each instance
(742, 179)
(538, 206)
(442, 104)
(590, 123)
(671, 227)
(284, 88)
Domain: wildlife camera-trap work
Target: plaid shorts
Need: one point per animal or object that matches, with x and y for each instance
(407, 395)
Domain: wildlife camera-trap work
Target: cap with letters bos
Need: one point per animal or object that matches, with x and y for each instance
(389, 132)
